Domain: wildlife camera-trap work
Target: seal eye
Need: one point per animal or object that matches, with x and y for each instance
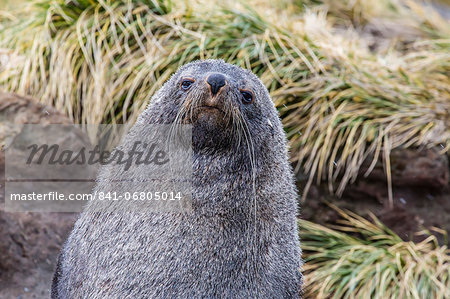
(247, 96)
(186, 84)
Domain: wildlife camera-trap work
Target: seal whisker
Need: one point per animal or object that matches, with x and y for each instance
(185, 109)
(175, 126)
(237, 122)
(251, 152)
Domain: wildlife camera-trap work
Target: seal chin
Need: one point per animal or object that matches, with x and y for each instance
(210, 109)
(209, 115)
(210, 128)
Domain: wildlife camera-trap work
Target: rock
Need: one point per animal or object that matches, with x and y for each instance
(17, 110)
(29, 242)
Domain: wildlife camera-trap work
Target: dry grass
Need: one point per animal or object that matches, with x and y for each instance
(101, 61)
(363, 259)
(409, 16)
(10, 4)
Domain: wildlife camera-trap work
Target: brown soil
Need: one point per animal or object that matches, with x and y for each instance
(421, 194)
(415, 209)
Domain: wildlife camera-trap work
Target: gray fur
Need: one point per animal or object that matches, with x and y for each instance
(221, 249)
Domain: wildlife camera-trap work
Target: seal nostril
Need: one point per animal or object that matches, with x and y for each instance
(216, 82)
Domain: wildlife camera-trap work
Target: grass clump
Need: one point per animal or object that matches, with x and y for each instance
(363, 259)
(408, 18)
(101, 61)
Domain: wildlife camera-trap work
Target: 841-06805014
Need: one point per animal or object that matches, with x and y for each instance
(157, 195)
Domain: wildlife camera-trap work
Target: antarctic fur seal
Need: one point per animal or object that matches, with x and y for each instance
(240, 239)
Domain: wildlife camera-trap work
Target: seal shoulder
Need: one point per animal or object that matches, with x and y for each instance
(58, 273)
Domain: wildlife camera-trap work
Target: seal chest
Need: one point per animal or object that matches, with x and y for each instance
(239, 239)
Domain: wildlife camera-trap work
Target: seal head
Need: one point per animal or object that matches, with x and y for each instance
(226, 105)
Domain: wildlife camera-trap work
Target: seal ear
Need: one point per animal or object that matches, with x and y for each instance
(272, 128)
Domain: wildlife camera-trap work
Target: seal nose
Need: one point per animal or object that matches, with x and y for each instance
(216, 82)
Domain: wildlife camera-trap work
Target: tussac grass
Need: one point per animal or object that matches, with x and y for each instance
(100, 62)
(409, 17)
(363, 259)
